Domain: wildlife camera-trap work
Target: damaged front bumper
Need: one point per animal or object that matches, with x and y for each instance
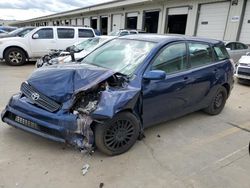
(60, 126)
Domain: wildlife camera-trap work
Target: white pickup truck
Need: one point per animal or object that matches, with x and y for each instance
(38, 42)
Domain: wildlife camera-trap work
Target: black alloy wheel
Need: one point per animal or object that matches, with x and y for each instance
(117, 135)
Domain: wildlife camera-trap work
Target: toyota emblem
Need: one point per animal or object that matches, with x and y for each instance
(35, 96)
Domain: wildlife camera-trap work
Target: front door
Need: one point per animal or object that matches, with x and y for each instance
(163, 99)
(42, 41)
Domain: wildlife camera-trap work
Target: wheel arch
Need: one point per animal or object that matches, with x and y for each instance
(227, 87)
(25, 52)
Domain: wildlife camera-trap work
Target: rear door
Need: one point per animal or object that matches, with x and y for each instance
(204, 74)
(42, 41)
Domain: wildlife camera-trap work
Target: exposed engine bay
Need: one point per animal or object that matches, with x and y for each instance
(85, 103)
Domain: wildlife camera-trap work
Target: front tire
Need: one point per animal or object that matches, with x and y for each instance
(117, 135)
(15, 57)
(218, 102)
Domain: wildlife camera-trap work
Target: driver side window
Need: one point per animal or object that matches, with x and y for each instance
(45, 33)
(171, 59)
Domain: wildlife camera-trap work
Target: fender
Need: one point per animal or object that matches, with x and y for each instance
(14, 42)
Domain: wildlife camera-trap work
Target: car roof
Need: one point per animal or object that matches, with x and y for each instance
(77, 27)
(169, 37)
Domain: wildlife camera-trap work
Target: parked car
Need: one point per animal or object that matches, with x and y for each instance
(38, 42)
(121, 88)
(243, 68)
(236, 50)
(2, 31)
(8, 28)
(20, 32)
(123, 32)
(77, 52)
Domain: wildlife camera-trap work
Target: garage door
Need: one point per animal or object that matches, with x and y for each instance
(212, 20)
(116, 22)
(245, 30)
(86, 22)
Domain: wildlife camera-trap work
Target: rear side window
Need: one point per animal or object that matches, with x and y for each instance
(240, 46)
(221, 53)
(200, 54)
(65, 33)
(85, 33)
(45, 33)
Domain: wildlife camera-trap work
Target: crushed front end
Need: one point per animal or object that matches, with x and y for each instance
(66, 111)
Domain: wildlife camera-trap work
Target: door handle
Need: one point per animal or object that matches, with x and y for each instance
(215, 70)
(185, 78)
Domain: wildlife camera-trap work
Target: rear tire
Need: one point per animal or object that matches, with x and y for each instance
(218, 102)
(117, 135)
(15, 56)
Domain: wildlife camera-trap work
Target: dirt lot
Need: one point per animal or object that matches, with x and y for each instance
(193, 151)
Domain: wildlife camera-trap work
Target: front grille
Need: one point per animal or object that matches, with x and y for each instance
(244, 71)
(39, 99)
(33, 125)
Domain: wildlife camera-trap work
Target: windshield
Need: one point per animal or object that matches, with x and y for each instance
(21, 32)
(120, 55)
(89, 44)
(15, 31)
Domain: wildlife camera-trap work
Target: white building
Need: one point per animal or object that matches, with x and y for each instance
(219, 19)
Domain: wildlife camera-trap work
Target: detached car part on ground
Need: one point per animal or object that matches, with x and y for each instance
(121, 88)
(72, 53)
(242, 72)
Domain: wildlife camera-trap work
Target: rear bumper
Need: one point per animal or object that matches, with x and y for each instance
(54, 126)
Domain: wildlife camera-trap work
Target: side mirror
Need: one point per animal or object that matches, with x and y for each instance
(155, 75)
(35, 36)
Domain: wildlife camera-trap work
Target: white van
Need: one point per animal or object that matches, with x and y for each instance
(38, 42)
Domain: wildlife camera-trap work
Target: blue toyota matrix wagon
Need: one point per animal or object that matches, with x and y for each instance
(121, 88)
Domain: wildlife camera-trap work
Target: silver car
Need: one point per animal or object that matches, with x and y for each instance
(236, 50)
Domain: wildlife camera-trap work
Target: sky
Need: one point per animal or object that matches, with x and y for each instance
(27, 9)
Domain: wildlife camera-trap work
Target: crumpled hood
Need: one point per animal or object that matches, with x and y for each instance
(60, 82)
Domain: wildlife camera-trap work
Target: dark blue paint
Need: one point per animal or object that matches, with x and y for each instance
(152, 101)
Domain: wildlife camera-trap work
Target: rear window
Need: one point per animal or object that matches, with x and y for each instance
(65, 33)
(221, 52)
(85, 33)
